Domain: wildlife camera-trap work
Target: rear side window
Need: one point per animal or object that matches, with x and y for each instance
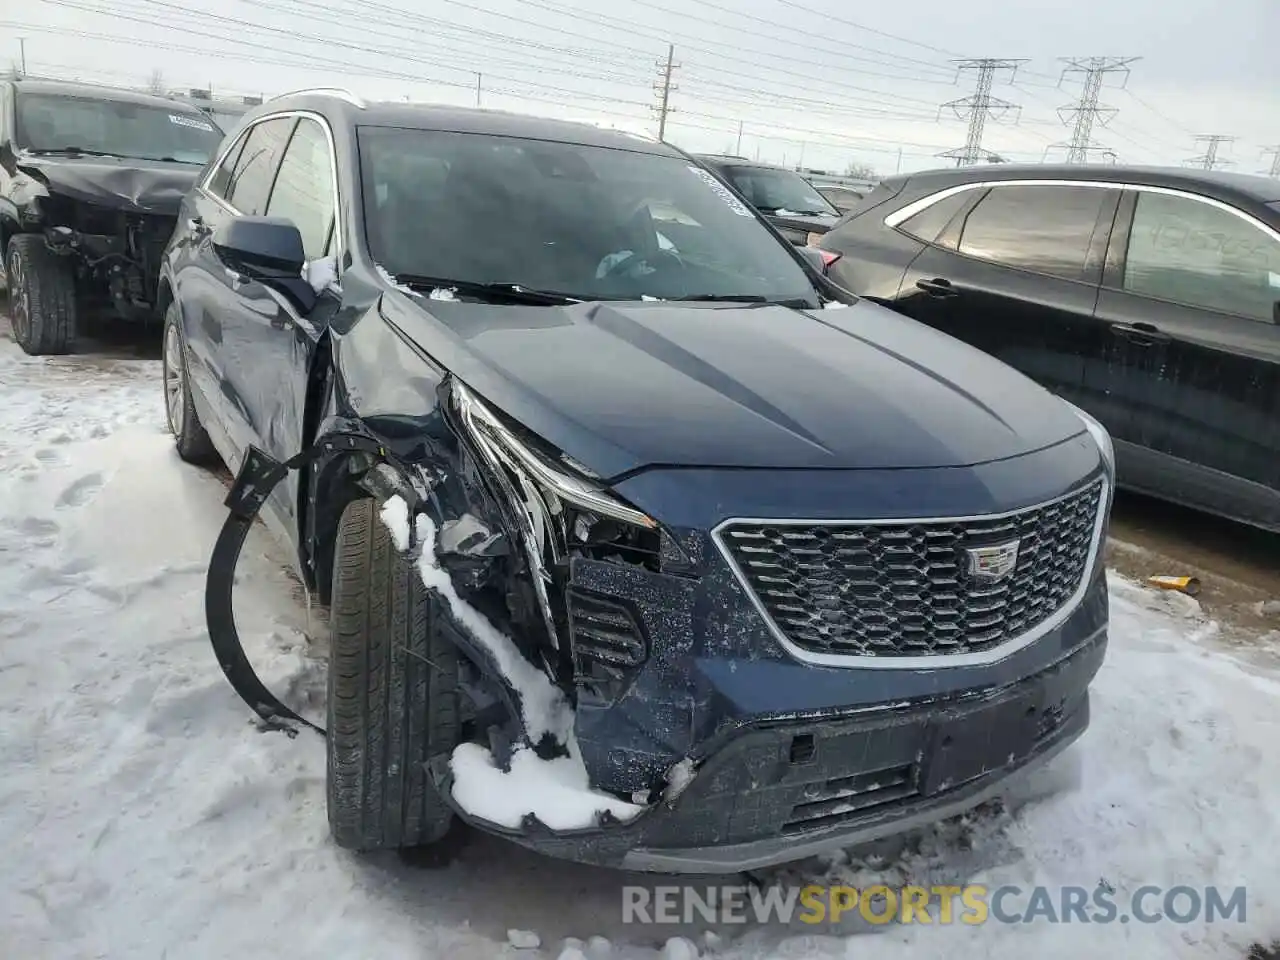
(1195, 253)
(1043, 229)
(255, 168)
(929, 223)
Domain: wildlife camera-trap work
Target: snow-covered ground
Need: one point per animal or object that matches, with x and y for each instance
(143, 816)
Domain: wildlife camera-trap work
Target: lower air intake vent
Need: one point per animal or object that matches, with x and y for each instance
(828, 803)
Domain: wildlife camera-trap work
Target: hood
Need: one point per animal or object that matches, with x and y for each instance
(621, 386)
(145, 186)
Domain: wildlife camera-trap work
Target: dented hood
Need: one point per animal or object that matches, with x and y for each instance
(621, 386)
(145, 186)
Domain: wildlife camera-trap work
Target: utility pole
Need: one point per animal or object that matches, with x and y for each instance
(1275, 161)
(664, 88)
(1085, 112)
(897, 167)
(22, 53)
(980, 105)
(477, 89)
(1209, 159)
(737, 151)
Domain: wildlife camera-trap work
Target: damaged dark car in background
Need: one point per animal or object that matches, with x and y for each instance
(641, 546)
(90, 182)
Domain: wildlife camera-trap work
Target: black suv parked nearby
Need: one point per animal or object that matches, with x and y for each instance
(90, 182)
(789, 201)
(1146, 296)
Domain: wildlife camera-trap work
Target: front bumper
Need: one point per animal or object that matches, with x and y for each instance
(780, 790)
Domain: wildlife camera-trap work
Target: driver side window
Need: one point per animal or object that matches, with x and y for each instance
(304, 191)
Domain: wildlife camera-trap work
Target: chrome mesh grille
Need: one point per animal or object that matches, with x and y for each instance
(905, 589)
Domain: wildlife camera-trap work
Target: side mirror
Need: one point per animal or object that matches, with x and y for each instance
(8, 158)
(269, 250)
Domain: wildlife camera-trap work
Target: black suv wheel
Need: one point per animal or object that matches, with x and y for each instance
(42, 296)
(393, 693)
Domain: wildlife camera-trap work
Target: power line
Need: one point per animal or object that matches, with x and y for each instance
(841, 48)
(1083, 114)
(755, 59)
(663, 88)
(1209, 159)
(978, 106)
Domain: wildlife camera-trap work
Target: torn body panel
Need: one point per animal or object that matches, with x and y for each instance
(112, 220)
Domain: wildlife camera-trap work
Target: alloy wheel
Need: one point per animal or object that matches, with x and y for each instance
(19, 305)
(174, 389)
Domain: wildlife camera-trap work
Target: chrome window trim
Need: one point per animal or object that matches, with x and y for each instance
(897, 217)
(203, 185)
(985, 657)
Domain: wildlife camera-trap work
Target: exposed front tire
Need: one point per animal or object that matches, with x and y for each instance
(190, 436)
(393, 693)
(42, 296)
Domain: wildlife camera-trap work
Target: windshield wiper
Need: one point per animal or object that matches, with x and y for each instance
(722, 297)
(752, 299)
(499, 291)
(72, 151)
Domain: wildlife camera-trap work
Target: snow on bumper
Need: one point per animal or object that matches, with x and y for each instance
(775, 792)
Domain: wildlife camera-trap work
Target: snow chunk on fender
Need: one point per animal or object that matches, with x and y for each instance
(557, 791)
(395, 515)
(544, 708)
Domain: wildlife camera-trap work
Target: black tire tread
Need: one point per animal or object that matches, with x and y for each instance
(393, 693)
(51, 296)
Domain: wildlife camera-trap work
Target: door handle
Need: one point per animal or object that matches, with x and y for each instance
(937, 287)
(1140, 333)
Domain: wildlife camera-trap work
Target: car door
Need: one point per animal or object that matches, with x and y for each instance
(272, 342)
(1191, 290)
(1016, 275)
(204, 287)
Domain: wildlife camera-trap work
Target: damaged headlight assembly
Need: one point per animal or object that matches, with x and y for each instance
(561, 511)
(561, 508)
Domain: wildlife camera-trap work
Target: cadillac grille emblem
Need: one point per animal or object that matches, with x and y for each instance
(994, 562)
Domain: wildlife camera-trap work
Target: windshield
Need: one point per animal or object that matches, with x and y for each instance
(588, 222)
(115, 127)
(778, 191)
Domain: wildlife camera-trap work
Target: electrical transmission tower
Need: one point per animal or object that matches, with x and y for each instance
(978, 107)
(1209, 159)
(1085, 112)
(664, 88)
(1275, 161)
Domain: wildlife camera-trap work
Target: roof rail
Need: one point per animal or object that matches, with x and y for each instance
(339, 92)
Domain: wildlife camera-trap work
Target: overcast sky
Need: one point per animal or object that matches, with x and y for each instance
(810, 81)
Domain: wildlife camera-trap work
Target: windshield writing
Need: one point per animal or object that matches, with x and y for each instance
(772, 191)
(115, 127)
(589, 222)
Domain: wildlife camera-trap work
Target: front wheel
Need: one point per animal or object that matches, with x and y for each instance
(42, 296)
(393, 693)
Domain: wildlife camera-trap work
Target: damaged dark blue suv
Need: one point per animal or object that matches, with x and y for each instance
(641, 545)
